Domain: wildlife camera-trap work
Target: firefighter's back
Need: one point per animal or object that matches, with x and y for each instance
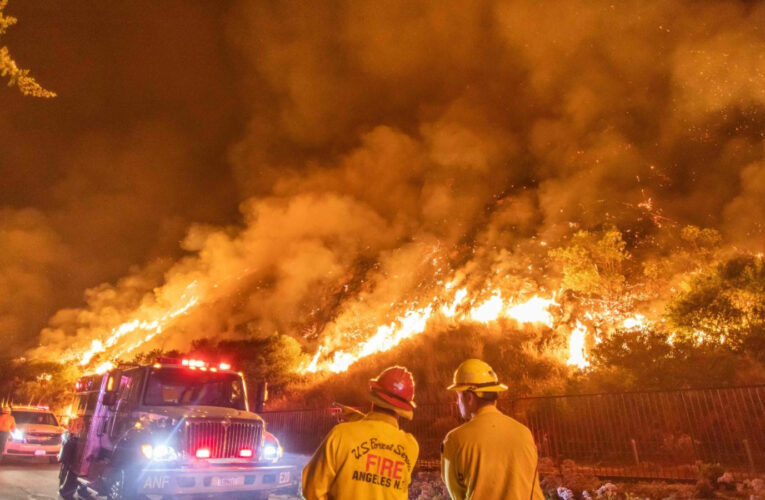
(370, 459)
(495, 456)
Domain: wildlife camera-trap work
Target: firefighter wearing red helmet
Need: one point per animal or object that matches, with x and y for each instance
(370, 458)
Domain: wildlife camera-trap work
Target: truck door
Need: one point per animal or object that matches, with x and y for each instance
(122, 417)
(80, 426)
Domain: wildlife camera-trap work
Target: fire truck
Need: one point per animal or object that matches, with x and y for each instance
(174, 428)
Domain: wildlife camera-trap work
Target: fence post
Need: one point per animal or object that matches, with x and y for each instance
(635, 451)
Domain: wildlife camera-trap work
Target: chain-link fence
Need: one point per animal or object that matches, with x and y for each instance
(661, 434)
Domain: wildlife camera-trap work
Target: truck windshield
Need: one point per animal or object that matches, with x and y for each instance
(34, 417)
(180, 387)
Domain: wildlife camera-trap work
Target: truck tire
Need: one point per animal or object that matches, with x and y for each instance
(67, 483)
(120, 488)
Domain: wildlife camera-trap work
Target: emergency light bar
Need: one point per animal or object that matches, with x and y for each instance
(193, 364)
(30, 407)
(84, 384)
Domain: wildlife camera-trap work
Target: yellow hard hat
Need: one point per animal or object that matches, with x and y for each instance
(477, 376)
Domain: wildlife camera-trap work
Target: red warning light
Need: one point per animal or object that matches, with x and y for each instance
(203, 453)
(245, 453)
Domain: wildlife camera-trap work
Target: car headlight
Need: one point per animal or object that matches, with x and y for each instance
(160, 452)
(17, 435)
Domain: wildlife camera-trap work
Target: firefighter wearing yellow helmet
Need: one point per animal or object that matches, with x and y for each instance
(492, 456)
(368, 457)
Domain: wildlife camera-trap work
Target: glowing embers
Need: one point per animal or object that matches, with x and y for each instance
(576, 347)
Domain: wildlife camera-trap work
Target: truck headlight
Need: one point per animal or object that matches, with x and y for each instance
(17, 435)
(272, 451)
(160, 452)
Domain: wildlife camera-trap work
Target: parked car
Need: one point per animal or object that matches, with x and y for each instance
(37, 435)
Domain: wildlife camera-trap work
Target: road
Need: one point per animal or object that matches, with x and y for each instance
(39, 481)
(28, 481)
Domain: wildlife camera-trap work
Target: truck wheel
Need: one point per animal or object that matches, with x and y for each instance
(120, 488)
(67, 483)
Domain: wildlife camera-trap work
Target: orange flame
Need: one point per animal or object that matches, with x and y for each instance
(576, 347)
(415, 321)
(157, 320)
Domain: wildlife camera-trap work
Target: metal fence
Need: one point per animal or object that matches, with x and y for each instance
(661, 434)
(651, 434)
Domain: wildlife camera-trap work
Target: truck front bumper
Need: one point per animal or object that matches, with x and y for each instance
(215, 480)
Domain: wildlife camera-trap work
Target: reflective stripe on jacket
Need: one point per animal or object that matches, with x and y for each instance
(369, 459)
(7, 422)
(491, 457)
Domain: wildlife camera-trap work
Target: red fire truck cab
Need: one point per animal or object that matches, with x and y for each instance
(177, 427)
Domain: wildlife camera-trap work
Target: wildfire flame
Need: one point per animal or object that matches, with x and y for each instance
(489, 310)
(158, 319)
(636, 322)
(415, 321)
(459, 309)
(486, 306)
(577, 355)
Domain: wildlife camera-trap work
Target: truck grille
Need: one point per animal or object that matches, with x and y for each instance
(43, 438)
(223, 439)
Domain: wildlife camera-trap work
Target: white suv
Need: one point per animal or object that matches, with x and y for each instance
(37, 434)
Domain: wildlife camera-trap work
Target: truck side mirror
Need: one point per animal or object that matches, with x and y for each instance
(112, 388)
(261, 396)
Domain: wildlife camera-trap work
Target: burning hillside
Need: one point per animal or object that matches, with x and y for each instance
(406, 169)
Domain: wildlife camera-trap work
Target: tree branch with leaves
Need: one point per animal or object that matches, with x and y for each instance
(17, 76)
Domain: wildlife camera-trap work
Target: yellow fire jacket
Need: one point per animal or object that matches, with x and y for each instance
(369, 459)
(491, 457)
(7, 422)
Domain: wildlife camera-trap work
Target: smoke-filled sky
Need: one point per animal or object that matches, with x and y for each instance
(297, 163)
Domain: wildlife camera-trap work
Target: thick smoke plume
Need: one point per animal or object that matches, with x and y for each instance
(388, 145)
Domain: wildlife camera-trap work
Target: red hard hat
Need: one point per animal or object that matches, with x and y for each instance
(395, 385)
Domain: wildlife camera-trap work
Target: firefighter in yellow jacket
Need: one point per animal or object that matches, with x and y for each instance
(7, 425)
(492, 456)
(370, 458)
